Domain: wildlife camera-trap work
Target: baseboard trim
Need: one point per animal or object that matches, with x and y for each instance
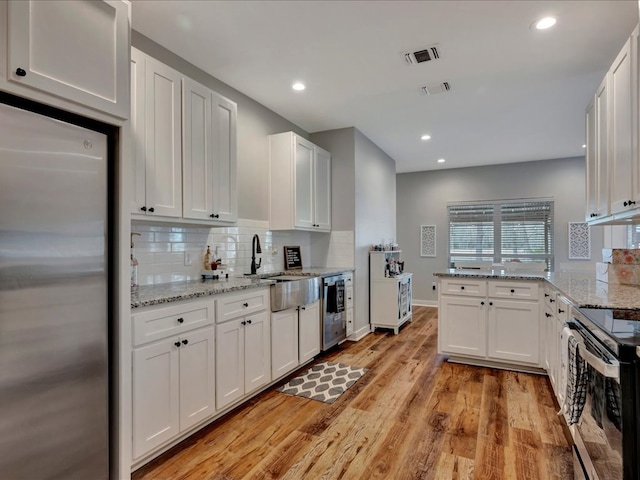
(425, 303)
(360, 334)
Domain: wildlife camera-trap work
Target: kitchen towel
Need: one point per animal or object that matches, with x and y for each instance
(340, 296)
(576, 394)
(331, 303)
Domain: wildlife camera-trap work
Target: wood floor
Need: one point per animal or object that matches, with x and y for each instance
(413, 415)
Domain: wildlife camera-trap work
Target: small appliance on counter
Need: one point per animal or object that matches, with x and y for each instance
(214, 269)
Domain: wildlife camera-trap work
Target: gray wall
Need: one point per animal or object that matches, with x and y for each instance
(364, 201)
(423, 196)
(255, 124)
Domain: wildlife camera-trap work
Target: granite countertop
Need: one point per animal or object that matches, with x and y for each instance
(173, 292)
(581, 288)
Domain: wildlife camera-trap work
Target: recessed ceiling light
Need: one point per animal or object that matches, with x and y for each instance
(544, 23)
(584, 146)
(298, 86)
(425, 137)
(441, 160)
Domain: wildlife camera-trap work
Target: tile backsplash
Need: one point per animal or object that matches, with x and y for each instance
(163, 250)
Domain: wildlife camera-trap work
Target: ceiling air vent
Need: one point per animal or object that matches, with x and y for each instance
(435, 88)
(426, 55)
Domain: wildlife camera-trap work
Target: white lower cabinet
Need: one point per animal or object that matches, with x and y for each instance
(173, 377)
(295, 338)
(284, 342)
(243, 346)
(462, 326)
(309, 332)
(497, 321)
(513, 330)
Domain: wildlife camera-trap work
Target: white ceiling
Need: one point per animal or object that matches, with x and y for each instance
(516, 94)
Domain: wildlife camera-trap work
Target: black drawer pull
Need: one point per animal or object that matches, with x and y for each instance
(462, 287)
(481, 303)
(177, 344)
(152, 209)
(551, 300)
(560, 310)
(20, 72)
(546, 314)
(513, 291)
(181, 320)
(184, 342)
(490, 303)
(546, 294)
(249, 322)
(245, 304)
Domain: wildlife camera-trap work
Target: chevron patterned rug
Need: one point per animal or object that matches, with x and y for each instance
(324, 382)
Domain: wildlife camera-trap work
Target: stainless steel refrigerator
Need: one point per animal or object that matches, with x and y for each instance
(54, 297)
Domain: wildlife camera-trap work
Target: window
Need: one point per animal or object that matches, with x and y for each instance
(497, 232)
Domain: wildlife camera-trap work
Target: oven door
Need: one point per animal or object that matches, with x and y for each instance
(599, 429)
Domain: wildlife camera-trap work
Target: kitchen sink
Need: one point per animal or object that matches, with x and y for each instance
(293, 291)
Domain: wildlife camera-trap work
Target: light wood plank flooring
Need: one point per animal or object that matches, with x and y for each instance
(412, 416)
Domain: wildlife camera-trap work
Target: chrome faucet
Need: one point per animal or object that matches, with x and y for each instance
(255, 248)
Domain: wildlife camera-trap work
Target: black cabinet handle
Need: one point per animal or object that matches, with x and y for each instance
(180, 320)
(214, 215)
(462, 287)
(177, 344)
(560, 310)
(249, 322)
(184, 342)
(547, 314)
(245, 305)
(490, 303)
(152, 209)
(546, 294)
(243, 323)
(481, 303)
(144, 209)
(551, 300)
(512, 290)
(20, 72)
(628, 203)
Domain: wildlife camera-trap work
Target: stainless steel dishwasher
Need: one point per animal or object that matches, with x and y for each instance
(334, 317)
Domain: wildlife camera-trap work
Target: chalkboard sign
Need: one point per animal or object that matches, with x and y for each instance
(292, 258)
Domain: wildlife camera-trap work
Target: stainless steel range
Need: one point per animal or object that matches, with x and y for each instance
(606, 447)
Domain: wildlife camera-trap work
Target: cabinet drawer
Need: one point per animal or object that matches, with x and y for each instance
(349, 297)
(157, 323)
(237, 305)
(463, 286)
(526, 290)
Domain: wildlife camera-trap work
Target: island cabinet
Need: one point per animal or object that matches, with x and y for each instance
(76, 51)
(173, 372)
(493, 322)
(243, 345)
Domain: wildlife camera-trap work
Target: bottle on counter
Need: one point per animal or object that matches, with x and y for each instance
(207, 259)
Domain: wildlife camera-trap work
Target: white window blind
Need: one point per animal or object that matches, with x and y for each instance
(520, 231)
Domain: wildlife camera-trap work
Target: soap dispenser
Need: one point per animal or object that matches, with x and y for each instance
(134, 264)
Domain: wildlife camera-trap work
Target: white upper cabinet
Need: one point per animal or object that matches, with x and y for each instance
(156, 136)
(622, 80)
(78, 51)
(613, 165)
(209, 157)
(300, 184)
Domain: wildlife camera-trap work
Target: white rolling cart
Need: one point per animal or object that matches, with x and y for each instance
(390, 290)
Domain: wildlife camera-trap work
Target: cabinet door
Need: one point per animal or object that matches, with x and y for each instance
(513, 331)
(197, 159)
(224, 115)
(137, 165)
(163, 140)
(75, 50)
(322, 193)
(602, 149)
(197, 377)
(463, 326)
(622, 77)
(592, 164)
(304, 194)
(257, 353)
(284, 342)
(155, 395)
(309, 318)
(229, 362)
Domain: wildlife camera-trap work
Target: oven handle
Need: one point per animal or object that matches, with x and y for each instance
(609, 370)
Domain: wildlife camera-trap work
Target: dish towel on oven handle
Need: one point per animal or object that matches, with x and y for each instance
(577, 379)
